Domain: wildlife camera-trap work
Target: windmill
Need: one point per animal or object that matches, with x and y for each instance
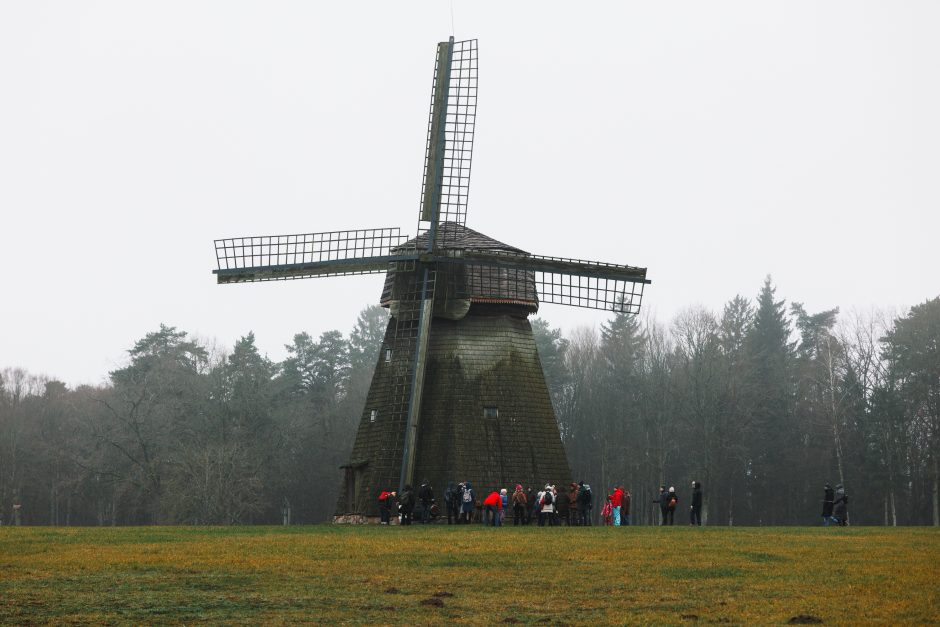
(458, 392)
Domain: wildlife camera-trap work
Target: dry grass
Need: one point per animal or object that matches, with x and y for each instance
(440, 575)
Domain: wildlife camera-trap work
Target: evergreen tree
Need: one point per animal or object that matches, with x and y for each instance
(912, 349)
(771, 438)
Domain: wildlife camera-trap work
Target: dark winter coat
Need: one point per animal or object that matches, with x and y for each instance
(663, 501)
(425, 493)
(827, 503)
(839, 507)
(406, 501)
(452, 496)
(585, 497)
(697, 498)
(563, 503)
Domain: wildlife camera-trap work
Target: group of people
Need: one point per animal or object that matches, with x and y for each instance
(551, 506)
(668, 501)
(546, 506)
(408, 501)
(835, 506)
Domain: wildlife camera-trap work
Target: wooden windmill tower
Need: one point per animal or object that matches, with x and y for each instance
(458, 391)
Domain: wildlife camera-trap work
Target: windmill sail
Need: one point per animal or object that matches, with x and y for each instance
(446, 185)
(557, 280)
(308, 255)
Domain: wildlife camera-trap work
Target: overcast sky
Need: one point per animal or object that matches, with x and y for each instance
(713, 143)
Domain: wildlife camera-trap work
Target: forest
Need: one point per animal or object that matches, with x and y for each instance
(763, 402)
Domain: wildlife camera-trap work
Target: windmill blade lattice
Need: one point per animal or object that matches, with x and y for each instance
(574, 282)
(309, 255)
(445, 187)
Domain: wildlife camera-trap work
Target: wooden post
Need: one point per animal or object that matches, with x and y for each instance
(417, 387)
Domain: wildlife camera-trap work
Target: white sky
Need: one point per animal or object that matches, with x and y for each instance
(713, 143)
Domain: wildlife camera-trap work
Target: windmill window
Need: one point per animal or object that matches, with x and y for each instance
(491, 412)
(373, 415)
(388, 355)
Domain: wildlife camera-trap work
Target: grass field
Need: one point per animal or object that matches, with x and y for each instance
(443, 575)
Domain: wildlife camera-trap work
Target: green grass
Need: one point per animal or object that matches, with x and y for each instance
(596, 576)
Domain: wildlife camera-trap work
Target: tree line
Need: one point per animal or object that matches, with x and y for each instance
(187, 434)
(762, 402)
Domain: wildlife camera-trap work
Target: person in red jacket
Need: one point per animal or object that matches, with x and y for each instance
(616, 499)
(492, 506)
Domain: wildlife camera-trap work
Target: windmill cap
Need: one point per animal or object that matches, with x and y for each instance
(475, 283)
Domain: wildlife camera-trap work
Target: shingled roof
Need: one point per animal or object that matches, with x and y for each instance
(453, 236)
(473, 283)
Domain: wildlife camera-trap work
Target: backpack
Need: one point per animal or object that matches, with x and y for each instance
(547, 499)
(467, 497)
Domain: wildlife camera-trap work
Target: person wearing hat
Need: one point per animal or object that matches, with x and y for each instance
(547, 506)
(406, 505)
(467, 503)
(672, 499)
(625, 508)
(452, 502)
(519, 502)
(563, 507)
(840, 512)
(695, 512)
(532, 497)
(828, 498)
(573, 504)
(663, 501)
(585, 503)
(385, 506)
(426, 496)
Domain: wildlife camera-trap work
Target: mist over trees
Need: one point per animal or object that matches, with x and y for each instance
(763, 402)
(185, 435)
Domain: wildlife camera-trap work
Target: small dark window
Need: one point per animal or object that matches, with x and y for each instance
(373, 415)
(491, 412)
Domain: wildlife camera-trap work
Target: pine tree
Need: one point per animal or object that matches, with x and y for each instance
(771, 436)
